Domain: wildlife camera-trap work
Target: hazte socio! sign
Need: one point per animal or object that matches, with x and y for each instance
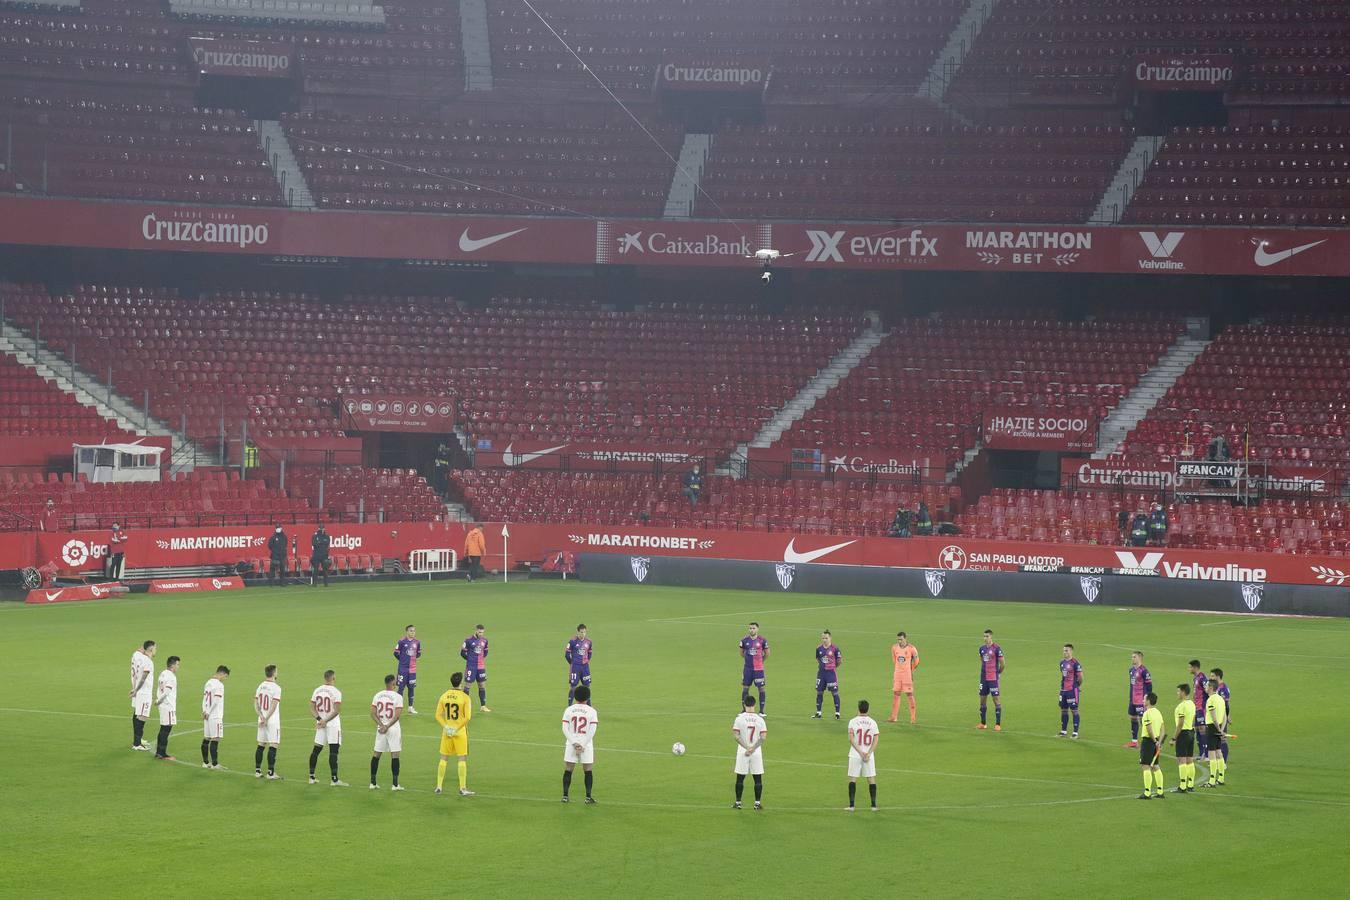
(1021, 429)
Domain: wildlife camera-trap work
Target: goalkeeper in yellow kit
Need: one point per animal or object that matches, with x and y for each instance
(453, 712)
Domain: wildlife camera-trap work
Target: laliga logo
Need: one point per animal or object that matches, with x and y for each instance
(952, 557)
(98, 592)
(75, 553)
(217, 583)
(347, 541)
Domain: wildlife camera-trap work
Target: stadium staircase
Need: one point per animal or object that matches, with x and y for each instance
(822, 383)
(1146, 394)
(294, 189)
(477, 45)
(87, 391)
(948, 63)
(688, 173)
(1116, 199)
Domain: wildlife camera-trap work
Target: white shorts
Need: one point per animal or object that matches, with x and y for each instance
(329, 734)
(391, 741)
(750, 765)
(859, 769)
(270, 733)
(214, 729)
(586, 757)
(168, 716)
(140, 705)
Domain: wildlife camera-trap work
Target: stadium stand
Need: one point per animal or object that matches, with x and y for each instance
(523, 368)
(815, 48)
(1258, 175)
(87, 148)
(30, 406)
(511, 165)
(300, 11)
(996, 173)
(386, 495)
(1280, 389)
(806, 507)
(926, 386)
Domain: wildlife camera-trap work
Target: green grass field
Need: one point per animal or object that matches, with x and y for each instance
(1020, 813)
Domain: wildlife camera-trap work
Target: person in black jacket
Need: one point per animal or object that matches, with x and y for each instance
(1157, 526)
(693, 485)
(1139, 529)
(276, 547)
(1123, 523)
(318, 556)
(900, 524)
(923, 520)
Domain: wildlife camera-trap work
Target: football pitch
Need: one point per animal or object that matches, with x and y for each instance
(1018, 813)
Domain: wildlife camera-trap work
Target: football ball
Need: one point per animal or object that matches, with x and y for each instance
(677, 749)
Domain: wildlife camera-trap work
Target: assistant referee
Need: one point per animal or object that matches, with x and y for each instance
(1184, 739)
(1151, 735)
(1216, 722)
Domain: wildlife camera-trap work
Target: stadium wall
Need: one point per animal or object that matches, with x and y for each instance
(80, 551)
(1023, 587)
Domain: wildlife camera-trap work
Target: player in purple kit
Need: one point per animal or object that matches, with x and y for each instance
(828, 661)
(991, 667)
(475, 651)
(407, 651)
(1070, 687)
(1198, 679)
(754, 650)
(578, 655)
(1141, 685)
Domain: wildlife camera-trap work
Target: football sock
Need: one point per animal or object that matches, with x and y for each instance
(836, 703)
(482, 697)
(740, 787)
(374, 768)
(314, 758)
(206, 752)
(1134, 729)
(762, 704)
(463, 770)
(411, 689)
(570, 693)
(137, 730)
(257, 758)
(895, 706)
(872, 790)
(745, 695)
(984, 711)
(590, 780)
(567, 781)
(271, 760)
(759, 786)
(1148, 780)
(1075, 720)
(820, 698)
(1064, 720)
(1181, 776)
(1223, 768)
(852, 791)
(998, 714)
(1157, 781)
(440, 774)
(913, 710)
(393, 769)
(162, 740)
(1200, 741)
(1223, 748)
(333, 750)
(215, 753)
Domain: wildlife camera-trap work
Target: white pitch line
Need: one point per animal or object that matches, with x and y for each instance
(1236, 621)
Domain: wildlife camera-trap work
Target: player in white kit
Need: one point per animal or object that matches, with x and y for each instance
(386, 710)
(267, 705)
(863, 735)
(142, 690)
(213, 717)
(167, 701)
(579, 722)
(749, 730)
(326, 706)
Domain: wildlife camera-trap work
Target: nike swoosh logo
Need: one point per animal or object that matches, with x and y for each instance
(51, 596)
(790, 555)
(1264, 259)
(469, 245)
(519, 459)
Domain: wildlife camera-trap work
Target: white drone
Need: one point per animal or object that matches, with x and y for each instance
(767, 258)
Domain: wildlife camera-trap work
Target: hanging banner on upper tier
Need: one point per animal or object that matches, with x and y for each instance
(1192, 72)
(272, 231)
(243, 59)
(435, 415)
(1022, 429)
(585, 457)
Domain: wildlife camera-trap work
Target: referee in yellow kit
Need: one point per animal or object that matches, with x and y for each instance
(1151, 737)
